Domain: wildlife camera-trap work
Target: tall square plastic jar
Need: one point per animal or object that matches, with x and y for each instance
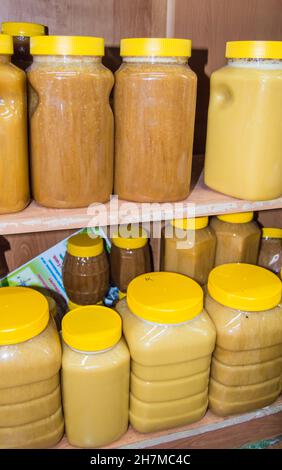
(244, 135)
(244, 302)
(95, 375)
(30, 360)
(154, 106)
(171, 339)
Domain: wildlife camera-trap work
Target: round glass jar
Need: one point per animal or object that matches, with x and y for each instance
(95, 373)
(85, 270)
(270, 255)
(21, 33)
(30, 361)
(154, 105)
(71, 122)
(244, 302)
(244, 122)
(238, 238)
(14, 179)
(129, 257)
(188, 247)
(170, 339)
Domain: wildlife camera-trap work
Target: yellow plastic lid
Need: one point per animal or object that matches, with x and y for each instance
(67, 45)
(158, 47)
(82, 246)
(195, 223)
(244, 287)
(91, 328)
(6, 44)
(23, 29)
(137, 239)
(271, 232)
(73, 305)
(24, 313)
(164, 297)
(253, 50)
(239, 218)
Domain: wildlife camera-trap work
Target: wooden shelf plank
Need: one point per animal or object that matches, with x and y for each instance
(211, 432)
(202, 200)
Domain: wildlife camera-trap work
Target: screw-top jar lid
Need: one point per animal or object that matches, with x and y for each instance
(73, 305)
(67, 45)
(239, 218)
(158, 47)
(195, 223)
(244, 287)
(82, 246)
(164, 297)
(24, 313)
(91, 328)
(268, 232)
(6, 44)
(253, 50)
(137, 239)
(23, 29)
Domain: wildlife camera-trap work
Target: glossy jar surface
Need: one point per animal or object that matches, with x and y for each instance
(246, 366)
(154, 105)
(244, 123)
(14, 181)
(270, 254)
(170, 350)
(95, 382)
(71, 126)
(189, 248)
(30, 358)
(85, 270)
(237, 238)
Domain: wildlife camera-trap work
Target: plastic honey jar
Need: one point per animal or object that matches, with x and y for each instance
(244, 302)
(270, 255)
(171, 339)
(95, 374)
(30, 361)
(188, 247)
(237, 238)
(85, 270)
(244, 138)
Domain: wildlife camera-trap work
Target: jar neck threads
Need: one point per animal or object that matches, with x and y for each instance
(156, 60)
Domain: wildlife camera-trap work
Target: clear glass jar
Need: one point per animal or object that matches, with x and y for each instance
(95, 374)
(14, 181)
(244, 122)
(30, 360)
(154, 105)
(71, 122)
(188, 247)
(170, 339)
(129, 257)
(22, 33)
(238, 238)
(85, 270)
(270, 255)
(244, 302)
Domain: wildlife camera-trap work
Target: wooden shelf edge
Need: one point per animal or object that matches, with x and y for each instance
(211, 432)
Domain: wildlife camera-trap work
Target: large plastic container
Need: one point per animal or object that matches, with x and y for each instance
(154, 105)
(95, 373)
(30, 361)
(71, 122)
(244, 138)
(244, 302)
(14, 182)
(188, 247)
(22, 33)
(171, 339)
(270, 255)
(237, 238)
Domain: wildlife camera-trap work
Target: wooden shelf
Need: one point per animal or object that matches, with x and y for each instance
(211, 432)
(203, 200)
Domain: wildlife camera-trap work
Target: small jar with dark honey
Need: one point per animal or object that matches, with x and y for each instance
(85, 270)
